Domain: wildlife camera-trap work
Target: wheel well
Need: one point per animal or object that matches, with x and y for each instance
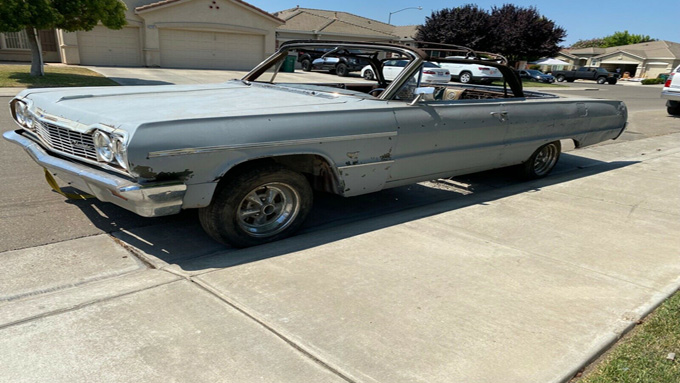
(319, 172)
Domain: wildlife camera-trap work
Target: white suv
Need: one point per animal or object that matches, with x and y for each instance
(466, 73)
(671, 92)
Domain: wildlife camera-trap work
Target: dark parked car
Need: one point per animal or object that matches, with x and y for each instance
(598, 74)
(536, 75)
(340, 62)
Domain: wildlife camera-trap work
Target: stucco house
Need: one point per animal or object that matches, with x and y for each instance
(646, 60)
(224, 34)
(318, 24)
(215, 34)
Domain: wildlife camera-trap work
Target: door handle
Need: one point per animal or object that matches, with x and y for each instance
(502, 116)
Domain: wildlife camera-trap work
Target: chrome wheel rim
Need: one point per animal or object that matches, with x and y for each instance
(465, 77)
(545, 159)
(268, 209)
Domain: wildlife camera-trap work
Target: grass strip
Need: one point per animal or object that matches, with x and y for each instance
(643, 354)
(55, 76)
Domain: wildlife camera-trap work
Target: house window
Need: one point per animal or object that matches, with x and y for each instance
(16, 40)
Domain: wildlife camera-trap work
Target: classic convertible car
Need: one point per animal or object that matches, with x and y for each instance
(248, 153)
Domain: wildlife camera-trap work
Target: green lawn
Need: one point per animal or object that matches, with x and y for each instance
(55, 76)
(641, 357)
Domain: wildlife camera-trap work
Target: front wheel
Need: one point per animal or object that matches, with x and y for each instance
(258, 206)
(673, 108)
(560, 78)
(341, 70)
(601, 80)
(368, 75)
(542, 161)
(465, 77)
(306, 65)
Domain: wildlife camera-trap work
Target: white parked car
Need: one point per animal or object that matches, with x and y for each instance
(472, 72)
(671, 92)
(432, 73)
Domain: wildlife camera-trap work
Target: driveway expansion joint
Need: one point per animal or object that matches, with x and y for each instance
(302, 350)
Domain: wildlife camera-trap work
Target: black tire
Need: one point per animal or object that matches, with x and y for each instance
(368, 75)
(306, 65)
(285, 199)
(542, 161)
(601, 80)
(673, 108)
(560, 78)
(341, 70)
(465, 77)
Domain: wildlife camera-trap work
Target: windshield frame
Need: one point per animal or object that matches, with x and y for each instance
(415, 56)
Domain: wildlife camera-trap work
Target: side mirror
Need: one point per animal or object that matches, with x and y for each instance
(423, 94)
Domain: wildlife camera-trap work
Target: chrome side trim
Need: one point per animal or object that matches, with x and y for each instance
(259, 145)
(359, 166)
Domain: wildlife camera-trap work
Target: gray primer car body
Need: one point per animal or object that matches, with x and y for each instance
(181, 141)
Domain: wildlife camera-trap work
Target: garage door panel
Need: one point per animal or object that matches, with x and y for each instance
(103, 46)
(214, 50)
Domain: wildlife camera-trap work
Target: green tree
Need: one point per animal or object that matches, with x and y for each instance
(69, 15)
(591, 43)
(613, 40)
(624, 38)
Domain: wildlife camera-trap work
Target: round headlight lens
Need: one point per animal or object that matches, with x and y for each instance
(120, 151)
(30, 120)
(103, 146)
(20, 112)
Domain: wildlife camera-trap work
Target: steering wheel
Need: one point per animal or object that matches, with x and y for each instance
(377, 90)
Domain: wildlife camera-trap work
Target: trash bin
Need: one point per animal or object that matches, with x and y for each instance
(289, 64)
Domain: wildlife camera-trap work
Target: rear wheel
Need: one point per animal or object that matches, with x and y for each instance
(306, 65)
(368, 74)
(341, 70)
(542, 161)
(257, 206)
(465, 77)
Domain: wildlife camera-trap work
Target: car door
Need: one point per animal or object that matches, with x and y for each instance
(446, 138)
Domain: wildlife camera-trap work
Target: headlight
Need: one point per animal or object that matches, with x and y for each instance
(120, 151)
(103, 146)
(29, 120)
(20, 112)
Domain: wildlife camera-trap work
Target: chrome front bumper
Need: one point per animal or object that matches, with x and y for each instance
(151, 200)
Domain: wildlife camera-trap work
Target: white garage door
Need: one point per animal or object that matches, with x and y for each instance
(103, 46)
(653, 70)
(213, 50)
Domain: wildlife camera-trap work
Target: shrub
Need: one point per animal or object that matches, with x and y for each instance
(652, 81)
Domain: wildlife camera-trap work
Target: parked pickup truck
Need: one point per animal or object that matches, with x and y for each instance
(671, 92)
(598, 74)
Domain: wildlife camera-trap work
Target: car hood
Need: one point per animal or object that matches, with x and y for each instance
(136, 105)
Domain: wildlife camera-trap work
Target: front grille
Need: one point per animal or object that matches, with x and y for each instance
(66, 141)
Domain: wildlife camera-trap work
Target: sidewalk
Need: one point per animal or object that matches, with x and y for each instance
(520, 283)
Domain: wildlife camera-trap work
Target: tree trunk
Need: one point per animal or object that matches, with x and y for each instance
(36, 53)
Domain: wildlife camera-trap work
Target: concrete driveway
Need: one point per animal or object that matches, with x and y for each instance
(493, 281)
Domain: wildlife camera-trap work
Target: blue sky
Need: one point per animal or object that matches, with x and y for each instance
(582, 19)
